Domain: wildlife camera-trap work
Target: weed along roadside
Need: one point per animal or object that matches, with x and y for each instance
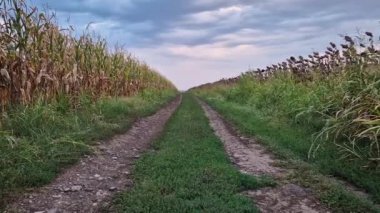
(291, 142)
(300, 187)
(89, 185)
(188, 171)
(45, 139)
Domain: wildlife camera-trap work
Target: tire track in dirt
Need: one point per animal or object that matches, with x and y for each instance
(89, 185)
(252, 158)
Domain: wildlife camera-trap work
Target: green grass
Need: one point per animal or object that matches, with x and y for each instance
(291, 142)
(188, 171)
(36, 142)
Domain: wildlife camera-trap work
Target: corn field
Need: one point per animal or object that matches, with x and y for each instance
(39, 61)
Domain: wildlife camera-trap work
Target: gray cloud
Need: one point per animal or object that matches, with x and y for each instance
(198, 41)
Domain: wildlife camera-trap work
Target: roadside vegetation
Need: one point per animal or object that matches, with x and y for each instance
(323, 109)
(188, 171)
(59, 93)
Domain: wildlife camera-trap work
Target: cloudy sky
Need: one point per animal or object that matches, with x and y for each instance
(197, 41)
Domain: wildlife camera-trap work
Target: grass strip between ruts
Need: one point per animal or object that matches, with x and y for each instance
(188, 171)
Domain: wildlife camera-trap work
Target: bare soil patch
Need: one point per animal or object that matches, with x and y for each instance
(89, 185)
